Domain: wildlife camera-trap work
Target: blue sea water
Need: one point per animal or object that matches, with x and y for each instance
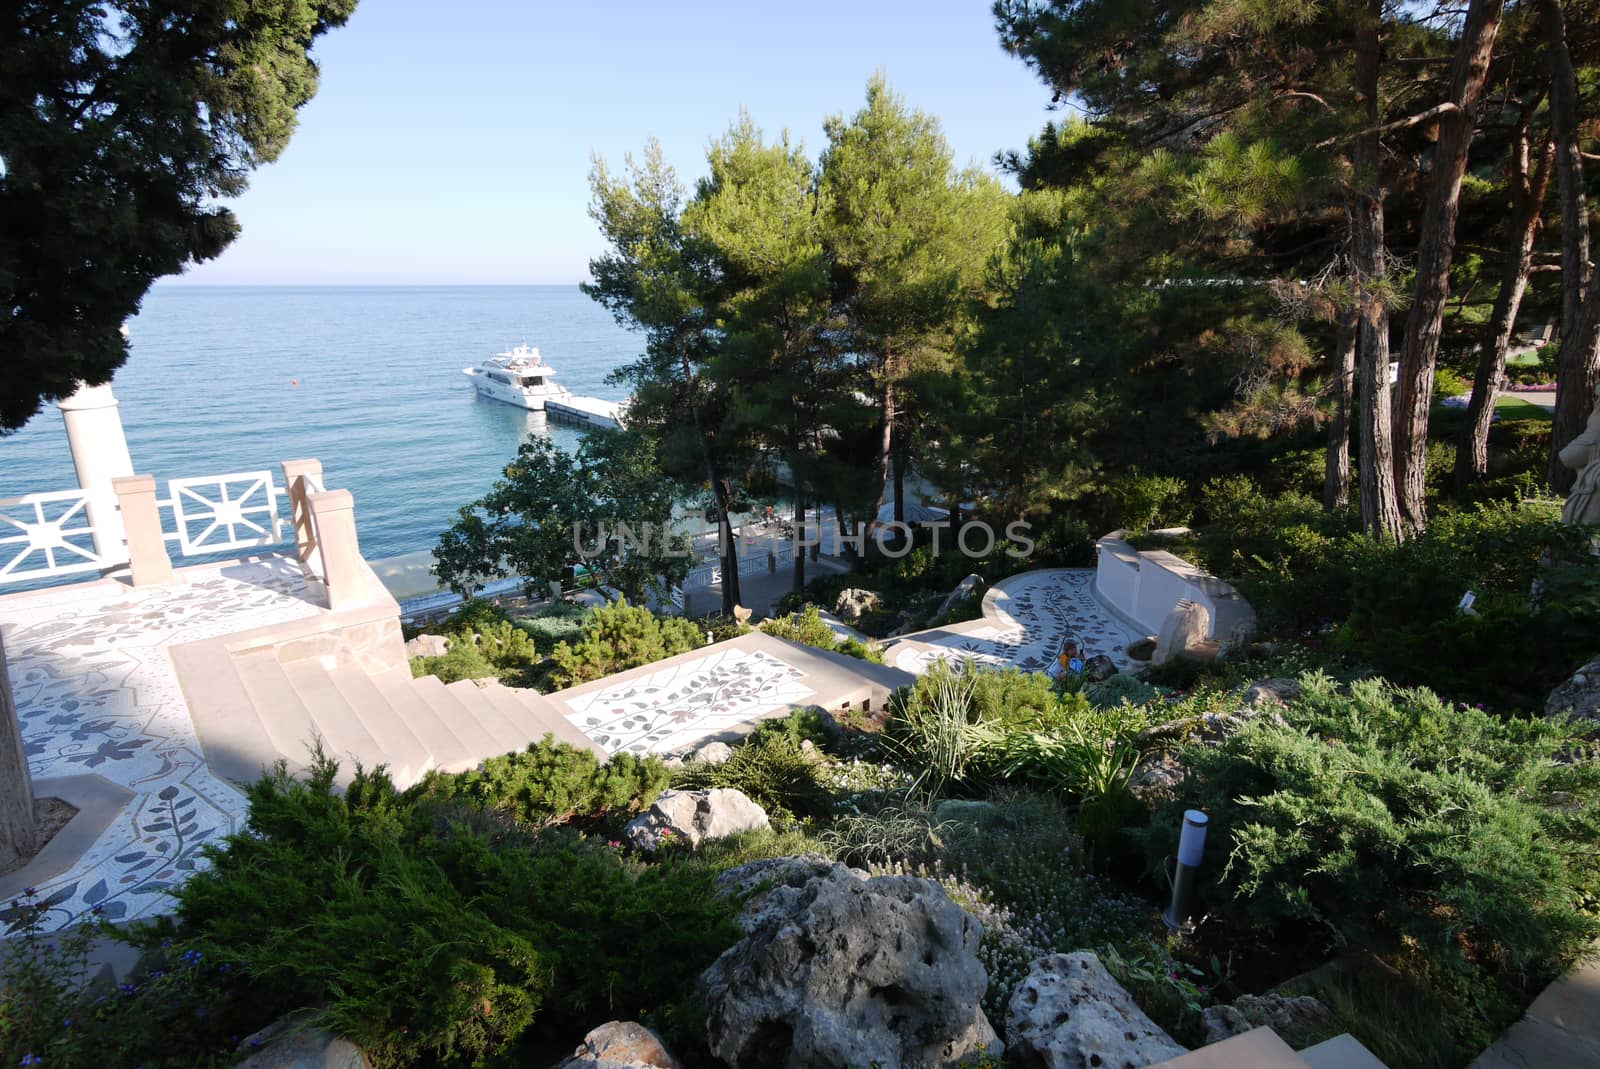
(367, 379)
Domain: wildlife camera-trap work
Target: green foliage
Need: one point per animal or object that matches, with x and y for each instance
(1146, 501)
(551, 783)
(498, 648)
(619, 637)
(175, 1010)
(431, 935)
(554, 624)
(1386, 819)
(551, 510)
(1447, 383)
(772, 769)
(124, 128)
(809, 628)
(1118, 689)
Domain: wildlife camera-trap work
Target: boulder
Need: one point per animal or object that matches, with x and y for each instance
(843, 971)
(855, 603)
(427, 646)
(1579, 695)
(964, 811)
(1070, 1013)
(295, 1042)
(1099, 668)
(1271, 692)
(1299, 1021)
(770, 872)
(713, 753)
(1184, 633)
(694, 817)
(1142, 649)
(964, 590)
(1157, 777)
(621, 1045)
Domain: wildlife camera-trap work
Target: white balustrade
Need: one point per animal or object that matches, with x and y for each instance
(234, 511)
(57, 535)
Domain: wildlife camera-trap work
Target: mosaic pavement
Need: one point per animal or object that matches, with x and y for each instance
(1026, 619)
(673, 709)
(96, 692)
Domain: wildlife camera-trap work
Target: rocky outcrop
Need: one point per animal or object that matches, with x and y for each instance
(837, 970)
(1070, 1013)
(428, 646)
(1299, 1020)
(1183, 634)
(712, 753)
(964, 590)
(295, 1042)
(855, 603)
(693, 817)
(1099, 668)
(772, 872)
(1270, 693)
(621, 1045)
(1579, 696)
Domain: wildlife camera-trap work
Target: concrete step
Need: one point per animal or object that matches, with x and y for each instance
(546, 717)
(503, 700)
(235, 741)
(348, 739)
(506, 735)
(409, 757)
(449, 705)
(283, 715)
(451, 753)
(1343, 1051)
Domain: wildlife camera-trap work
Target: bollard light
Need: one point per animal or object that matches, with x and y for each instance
(1191, 848)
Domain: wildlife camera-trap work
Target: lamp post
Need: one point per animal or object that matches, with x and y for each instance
(1191, 848)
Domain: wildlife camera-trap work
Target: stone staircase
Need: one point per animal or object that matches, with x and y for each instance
(252, 708)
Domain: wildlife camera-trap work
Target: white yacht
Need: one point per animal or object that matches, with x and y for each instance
(519, 377)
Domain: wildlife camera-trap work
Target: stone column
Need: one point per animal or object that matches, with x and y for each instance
(19, 833)
(334, 513)
(148, 561)
(297, 477)
(100, 454)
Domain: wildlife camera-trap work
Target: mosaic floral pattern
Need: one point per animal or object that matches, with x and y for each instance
(1027, 618)
(671, 710)
(96, 692)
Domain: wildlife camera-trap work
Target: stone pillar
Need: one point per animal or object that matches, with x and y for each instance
(334, 514)
(100, 454)
(19, 832)
(297, 477)
(148, 561)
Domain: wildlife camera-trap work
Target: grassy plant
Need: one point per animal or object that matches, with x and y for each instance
(809, 628)
(772, 769)
(551, 782)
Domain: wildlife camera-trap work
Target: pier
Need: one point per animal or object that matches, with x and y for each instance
(590, 412)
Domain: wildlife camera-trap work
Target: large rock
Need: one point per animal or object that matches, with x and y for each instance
(621, 1045)
(1070, 1013)
(1143, 649)
(428, 646)
(1099, 668)
(964, 590)
(855, 603)
(1299, 1020)
(842, 971)
(294, 1042)
(1183, 633)
(1271, 692)
(771, 872)
(694, 817)
(1579, 695)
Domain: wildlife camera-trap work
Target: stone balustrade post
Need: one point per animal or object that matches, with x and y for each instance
(148, 562)
(333, 513)
(295, 479)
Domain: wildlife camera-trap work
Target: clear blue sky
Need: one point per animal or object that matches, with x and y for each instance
(451, 143)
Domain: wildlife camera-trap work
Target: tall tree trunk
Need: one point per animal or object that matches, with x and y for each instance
(1528, 188)
(1578, 361)
(1380, 511)
(1569, 165)
(19, 833)
(899, 480)
(1435, 251)
(885, 456)
(719, 487)
(1336, 468)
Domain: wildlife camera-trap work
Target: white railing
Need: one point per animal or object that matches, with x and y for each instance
(59, 529)
(234, 511)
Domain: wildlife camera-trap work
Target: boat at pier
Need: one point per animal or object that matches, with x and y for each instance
(518, 377)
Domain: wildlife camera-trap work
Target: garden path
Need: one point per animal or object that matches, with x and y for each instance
(1026, 618)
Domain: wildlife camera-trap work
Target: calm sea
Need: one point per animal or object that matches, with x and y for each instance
(368, 379)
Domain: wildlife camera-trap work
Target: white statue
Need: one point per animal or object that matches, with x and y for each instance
(1582, 455)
